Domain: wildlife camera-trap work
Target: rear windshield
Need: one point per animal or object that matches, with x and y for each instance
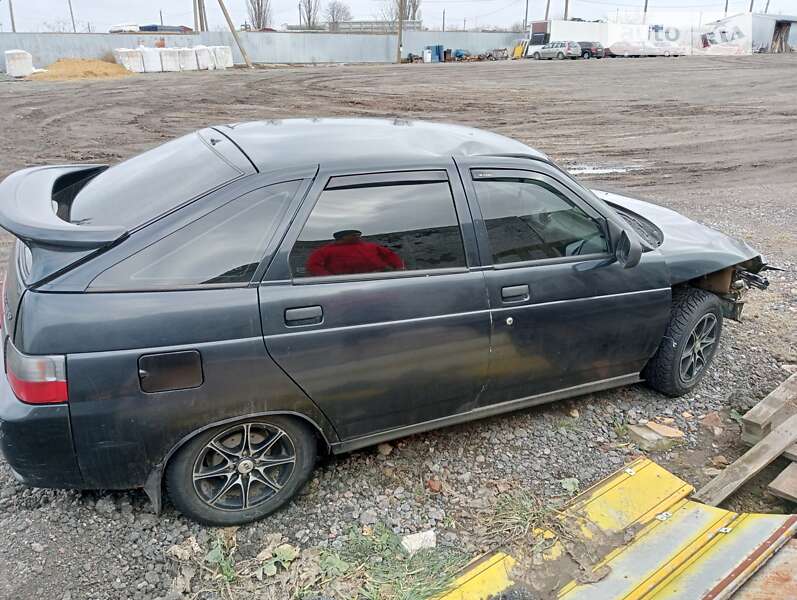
(151, 184)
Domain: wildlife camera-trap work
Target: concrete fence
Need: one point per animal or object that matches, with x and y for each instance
(288, 47)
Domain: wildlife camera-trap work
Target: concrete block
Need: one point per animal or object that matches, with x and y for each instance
(223, 56)
(18, 63)
(188, 60)
(170, 59)
(152, 59)
(129, 59)
(204, 58)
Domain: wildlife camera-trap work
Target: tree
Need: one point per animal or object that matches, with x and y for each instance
(309, 10)
(390, 10)
(337, 12)
(259, 13)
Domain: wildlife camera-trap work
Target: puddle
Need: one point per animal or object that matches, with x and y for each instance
(601, 170)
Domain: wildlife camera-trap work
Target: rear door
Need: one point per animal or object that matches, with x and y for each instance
(375, 305)
(564, 312)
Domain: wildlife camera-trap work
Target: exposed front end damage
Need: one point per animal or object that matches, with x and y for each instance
(731, 285)
(696, 255)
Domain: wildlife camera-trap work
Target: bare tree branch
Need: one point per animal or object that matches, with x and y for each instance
(259, 13)
(337, 12)
(390, 10)
(310, 10)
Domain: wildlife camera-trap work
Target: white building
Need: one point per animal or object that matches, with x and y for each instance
(664, 33)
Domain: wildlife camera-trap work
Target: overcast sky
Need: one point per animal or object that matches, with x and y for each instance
(33, 15)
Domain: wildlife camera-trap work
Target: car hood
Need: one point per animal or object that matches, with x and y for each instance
(690, 249)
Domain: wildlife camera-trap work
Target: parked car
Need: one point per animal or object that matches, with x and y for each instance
(209, 316)
(591, 49)
(558, 50)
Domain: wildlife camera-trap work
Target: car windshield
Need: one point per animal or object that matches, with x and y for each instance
(151, 184)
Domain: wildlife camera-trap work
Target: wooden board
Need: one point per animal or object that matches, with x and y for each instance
(750, 464)
(785, 484)
(777, 579)
(778, 406)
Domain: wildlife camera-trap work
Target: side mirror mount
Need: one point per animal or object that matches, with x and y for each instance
(628, 250)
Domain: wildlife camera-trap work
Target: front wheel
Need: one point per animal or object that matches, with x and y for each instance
(586, 55)
(239, 473)
(689, 345)
(536, 56)
(561, 56)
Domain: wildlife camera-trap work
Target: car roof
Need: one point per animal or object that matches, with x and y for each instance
(285, 143)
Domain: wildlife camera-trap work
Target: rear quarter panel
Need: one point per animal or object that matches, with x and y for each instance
(122, 433)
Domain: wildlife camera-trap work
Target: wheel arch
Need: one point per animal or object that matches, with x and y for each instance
(153, 486)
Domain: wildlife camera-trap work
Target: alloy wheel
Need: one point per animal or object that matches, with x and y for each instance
(244, 466)
(699, 348)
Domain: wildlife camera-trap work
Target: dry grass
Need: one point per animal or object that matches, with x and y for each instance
(78, 68)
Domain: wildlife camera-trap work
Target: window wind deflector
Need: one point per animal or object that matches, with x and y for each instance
(395, 178)
(28, 211)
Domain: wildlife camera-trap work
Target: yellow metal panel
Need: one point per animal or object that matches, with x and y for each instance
(487, 577)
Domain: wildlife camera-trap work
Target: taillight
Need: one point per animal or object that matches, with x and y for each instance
(36, 379)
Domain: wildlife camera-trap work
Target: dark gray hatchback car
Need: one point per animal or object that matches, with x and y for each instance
(214, 313)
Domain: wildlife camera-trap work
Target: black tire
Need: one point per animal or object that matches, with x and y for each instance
(561, 56)
(691, 308)
(281, 436)
(536, 56)
(586, 55)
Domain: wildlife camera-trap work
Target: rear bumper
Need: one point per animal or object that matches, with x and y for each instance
(37, 440)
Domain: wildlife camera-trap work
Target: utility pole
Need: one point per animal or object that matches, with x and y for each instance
(567, 8)
(726, 8)
(547, 9)
(526, 18)
(300, 15)
(464, 24)
(235, 34)
(400, 30)
(11, 12)
(645, 13)
(751, 5)
(161, 14)
(444, 19)
(766, 8)
(196, 16)
(72, 14)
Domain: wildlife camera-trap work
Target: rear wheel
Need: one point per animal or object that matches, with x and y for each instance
(586, 55)
(239, 473)
(561, 56)
(689, 344)
(536, 56)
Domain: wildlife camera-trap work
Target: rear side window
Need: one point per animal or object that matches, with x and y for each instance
(530, 220)
(224, 246)
(380, 228)
(150, 184)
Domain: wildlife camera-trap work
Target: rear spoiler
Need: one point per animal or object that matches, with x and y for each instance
(34, 207)
(30, 209)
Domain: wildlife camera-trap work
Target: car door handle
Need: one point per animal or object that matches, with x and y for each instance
(515, 293)
(306, 315)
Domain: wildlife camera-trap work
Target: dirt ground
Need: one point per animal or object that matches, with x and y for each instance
(714, 138)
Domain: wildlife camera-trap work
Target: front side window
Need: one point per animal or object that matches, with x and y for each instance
(531, 220)
(224, 246)
(380, 229)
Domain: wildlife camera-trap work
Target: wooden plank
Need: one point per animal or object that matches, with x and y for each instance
(776, 580)
(791, 452)
(778, 406)
(750, 464)
(785, 484)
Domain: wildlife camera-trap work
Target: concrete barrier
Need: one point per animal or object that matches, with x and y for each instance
(188, 61)
(170, 59)
(18, 63)
(152, 59)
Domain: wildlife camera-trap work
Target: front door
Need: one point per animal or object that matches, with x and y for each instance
(371, 305)
(564, 312)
